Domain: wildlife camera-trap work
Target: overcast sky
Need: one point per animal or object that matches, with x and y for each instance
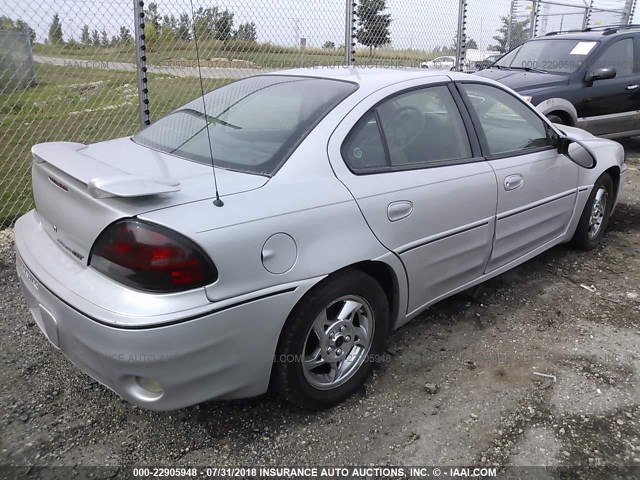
(420, 24)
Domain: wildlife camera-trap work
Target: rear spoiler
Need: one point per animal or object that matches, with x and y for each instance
(101, 179)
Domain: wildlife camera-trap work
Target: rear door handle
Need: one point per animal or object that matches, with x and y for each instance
(399, 210)
(632, 87)
(513, 181)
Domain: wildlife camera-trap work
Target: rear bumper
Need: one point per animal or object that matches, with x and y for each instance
(226, 353)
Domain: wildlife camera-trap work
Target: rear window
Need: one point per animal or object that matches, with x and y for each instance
(254, 124)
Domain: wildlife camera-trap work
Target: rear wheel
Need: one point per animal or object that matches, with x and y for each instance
(331, 340)
(595, 216)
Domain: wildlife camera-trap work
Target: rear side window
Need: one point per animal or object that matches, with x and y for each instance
(254, 124)
(508, 125)
(364, 149)
(619, 56)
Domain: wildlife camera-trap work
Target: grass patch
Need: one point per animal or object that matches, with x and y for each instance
(263, 55)
(79, 105)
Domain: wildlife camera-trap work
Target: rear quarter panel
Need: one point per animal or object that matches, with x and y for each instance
(309, 204)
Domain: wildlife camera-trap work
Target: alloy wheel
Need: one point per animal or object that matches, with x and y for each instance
(338, 342)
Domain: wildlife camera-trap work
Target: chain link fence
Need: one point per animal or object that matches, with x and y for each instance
(87, 71)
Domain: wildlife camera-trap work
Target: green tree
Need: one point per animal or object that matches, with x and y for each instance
(184, 27)
(85, 37)
(7, 23)
(373, 25)
(170, 25)
(55, 30)
(104, 39)
(246, 31)
(471, 43)
(329, 45)
(151, 16)
(204, 22)
(19, 25)
(224, 26)
(519, 34)
(125, 35)
(22, 26)
(95, 38)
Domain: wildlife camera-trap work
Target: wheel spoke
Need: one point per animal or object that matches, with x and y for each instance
(336, 371)
(348, 309)
(321, 325)
(362, 336)
(313, 361)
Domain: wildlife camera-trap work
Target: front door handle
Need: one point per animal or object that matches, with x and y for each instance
(632, 87)
(513, 181)
(399, 210)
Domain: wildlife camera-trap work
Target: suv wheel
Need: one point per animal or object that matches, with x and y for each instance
(555, 119)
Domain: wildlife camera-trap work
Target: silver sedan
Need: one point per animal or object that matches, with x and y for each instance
(275, 230)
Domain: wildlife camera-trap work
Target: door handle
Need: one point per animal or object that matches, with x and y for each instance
(513, 181)
(399, 210)
(632, 87)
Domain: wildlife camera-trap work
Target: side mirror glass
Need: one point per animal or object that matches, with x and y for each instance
(600, 74)
(577, 151)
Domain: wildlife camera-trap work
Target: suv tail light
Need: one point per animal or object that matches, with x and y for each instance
(150, 257)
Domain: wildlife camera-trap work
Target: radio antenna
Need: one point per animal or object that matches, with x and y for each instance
(217, 202)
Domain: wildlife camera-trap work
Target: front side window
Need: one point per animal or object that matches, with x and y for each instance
(618, 56)
(508, 125)
(254, 124)
(420, 128)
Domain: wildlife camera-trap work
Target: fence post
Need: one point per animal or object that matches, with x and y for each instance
(512, 13)
(628, 11)
(349, 34)
(461, 39)
(587, 15)
(535, 11)
(141, 62)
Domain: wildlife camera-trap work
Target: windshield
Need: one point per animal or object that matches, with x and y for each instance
(254, 124)
(553, 55)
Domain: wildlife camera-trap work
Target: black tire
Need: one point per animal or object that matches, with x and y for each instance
(555, 119)
(583, 237)
(289, 376)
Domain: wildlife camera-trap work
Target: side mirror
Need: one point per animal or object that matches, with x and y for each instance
(579, 154)
(600, 74)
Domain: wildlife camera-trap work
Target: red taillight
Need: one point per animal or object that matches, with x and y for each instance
(151, 257)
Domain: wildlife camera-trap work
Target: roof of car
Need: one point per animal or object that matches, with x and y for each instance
(593, 33)
(373, 76)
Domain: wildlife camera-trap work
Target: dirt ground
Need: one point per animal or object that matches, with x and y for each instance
(480, 350)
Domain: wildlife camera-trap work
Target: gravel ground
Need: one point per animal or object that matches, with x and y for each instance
(479, 350)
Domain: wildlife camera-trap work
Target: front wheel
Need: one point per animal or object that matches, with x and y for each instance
(595, 216)
(331, 340)
(555, 119)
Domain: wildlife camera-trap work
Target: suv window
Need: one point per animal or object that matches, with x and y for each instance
(420, 128)
(501, 112)
(554, 55)
(619, 55)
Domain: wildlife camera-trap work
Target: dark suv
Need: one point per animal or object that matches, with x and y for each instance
(588, 78)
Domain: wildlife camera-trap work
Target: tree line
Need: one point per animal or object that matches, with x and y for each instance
(372, 29)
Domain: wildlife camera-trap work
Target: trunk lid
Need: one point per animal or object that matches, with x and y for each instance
(78, 190)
